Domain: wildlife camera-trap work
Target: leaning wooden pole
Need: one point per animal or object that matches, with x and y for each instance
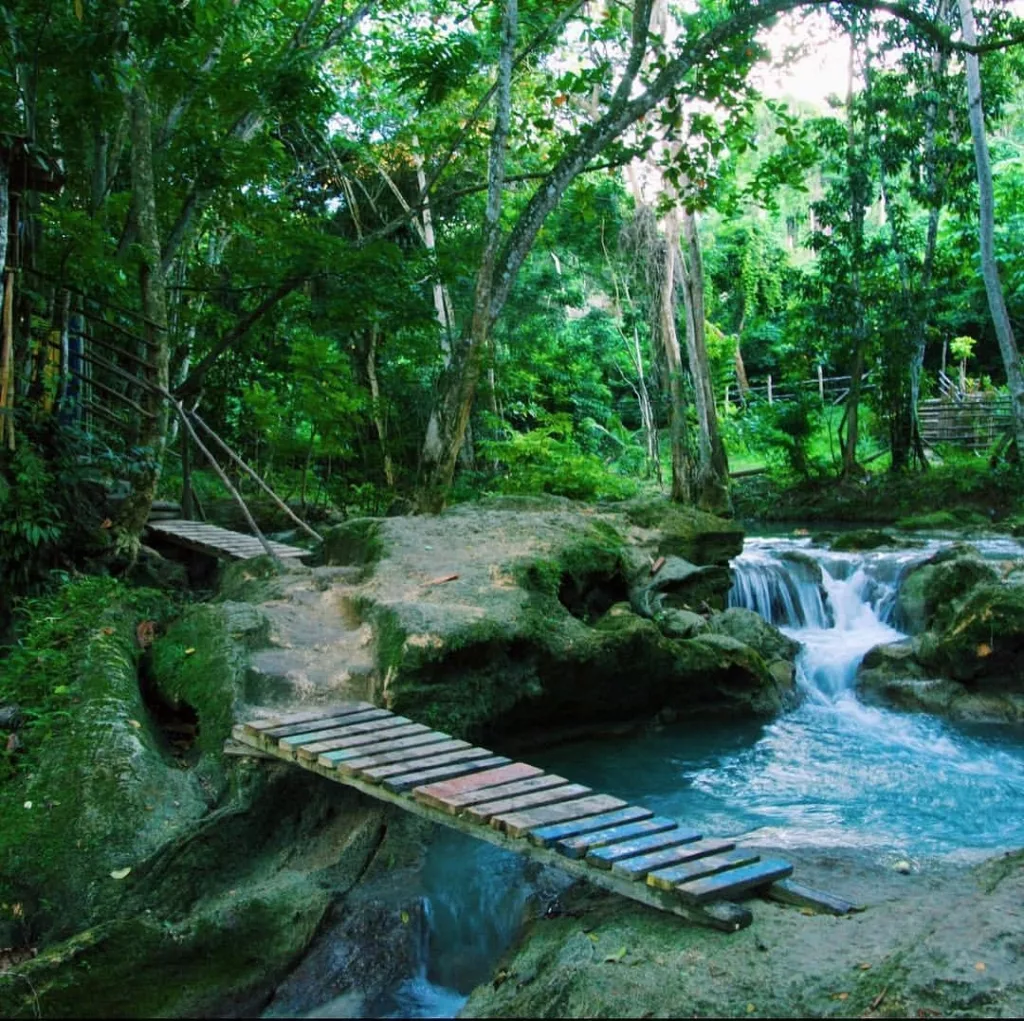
(226, 482)
(253, 474)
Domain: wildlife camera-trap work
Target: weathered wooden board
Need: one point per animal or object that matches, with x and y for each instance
(507, 790)
(789, 891)
(340, 746)
(441, 793)
(375, 774)
(377, 744)
(323, 740)
(407, 781)
(548, 835)
(637, 868)
(735, 881)
(577, 847)
(516, 824)
(552, 796)
(606, 856)
(668, 879)
(374, 718)
(282, 719)
(339, 717)
(402, 755)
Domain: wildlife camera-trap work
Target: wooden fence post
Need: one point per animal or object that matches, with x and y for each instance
(770, 400)
(821, 385)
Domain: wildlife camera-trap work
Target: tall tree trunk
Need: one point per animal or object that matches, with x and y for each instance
(458, 385)
(683, 469)
(6, 315)
(986, 230)
(858, 204)
(153, 426)
(713, 463)
(378, 411)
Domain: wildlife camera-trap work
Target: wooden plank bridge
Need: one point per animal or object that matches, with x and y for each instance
(219, 542)
(620, 847)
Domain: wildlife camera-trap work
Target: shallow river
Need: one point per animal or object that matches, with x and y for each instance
(832, 772)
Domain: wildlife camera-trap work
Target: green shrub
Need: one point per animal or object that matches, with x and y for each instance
(548, 460)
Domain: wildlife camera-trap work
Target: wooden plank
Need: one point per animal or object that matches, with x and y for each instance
(410, 780)
(358, 761)
(606, 856)
(377, 773)
(637, 868)
(577, 847)
(670, 878)
(502, 792)
(516, 824)
(735, 881)
(340, 746)
(336, 718)
(552, 796)
(494, 778)
(789, 892)
(548, 835)
(312, 749)
(262, 725)
(377, 723)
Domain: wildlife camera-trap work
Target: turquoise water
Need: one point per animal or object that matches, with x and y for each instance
(831, 773)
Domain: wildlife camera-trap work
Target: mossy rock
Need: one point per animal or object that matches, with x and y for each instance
(681, 585)
(929, 592)
(680, 624)
(753, 630)
(693, 535)
(804, 566)
(984, 642)
(202, 662)
(943, 520)
(222, 957)
(358, 542)
(105, 795)
(864, 539)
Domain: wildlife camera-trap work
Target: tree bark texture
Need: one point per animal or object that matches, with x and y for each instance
(459, 384)
(986, 230)
(152, 427)
(712, 483)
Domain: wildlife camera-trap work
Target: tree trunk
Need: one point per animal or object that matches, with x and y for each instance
(858, 205)
(458, 385)
(713, 463)
(378, 413)
(6, 317)
(152, 430)
(986, 217)
(679, 433)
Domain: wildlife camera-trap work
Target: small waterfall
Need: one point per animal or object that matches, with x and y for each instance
(778, 590)
(837, 605)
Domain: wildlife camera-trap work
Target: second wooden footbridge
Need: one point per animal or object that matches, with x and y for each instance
(620, 847)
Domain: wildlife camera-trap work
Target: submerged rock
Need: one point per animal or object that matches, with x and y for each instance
(864, 539)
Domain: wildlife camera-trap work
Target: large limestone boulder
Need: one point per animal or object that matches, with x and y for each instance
(494, 619)
(930, 591)
(984, 641)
